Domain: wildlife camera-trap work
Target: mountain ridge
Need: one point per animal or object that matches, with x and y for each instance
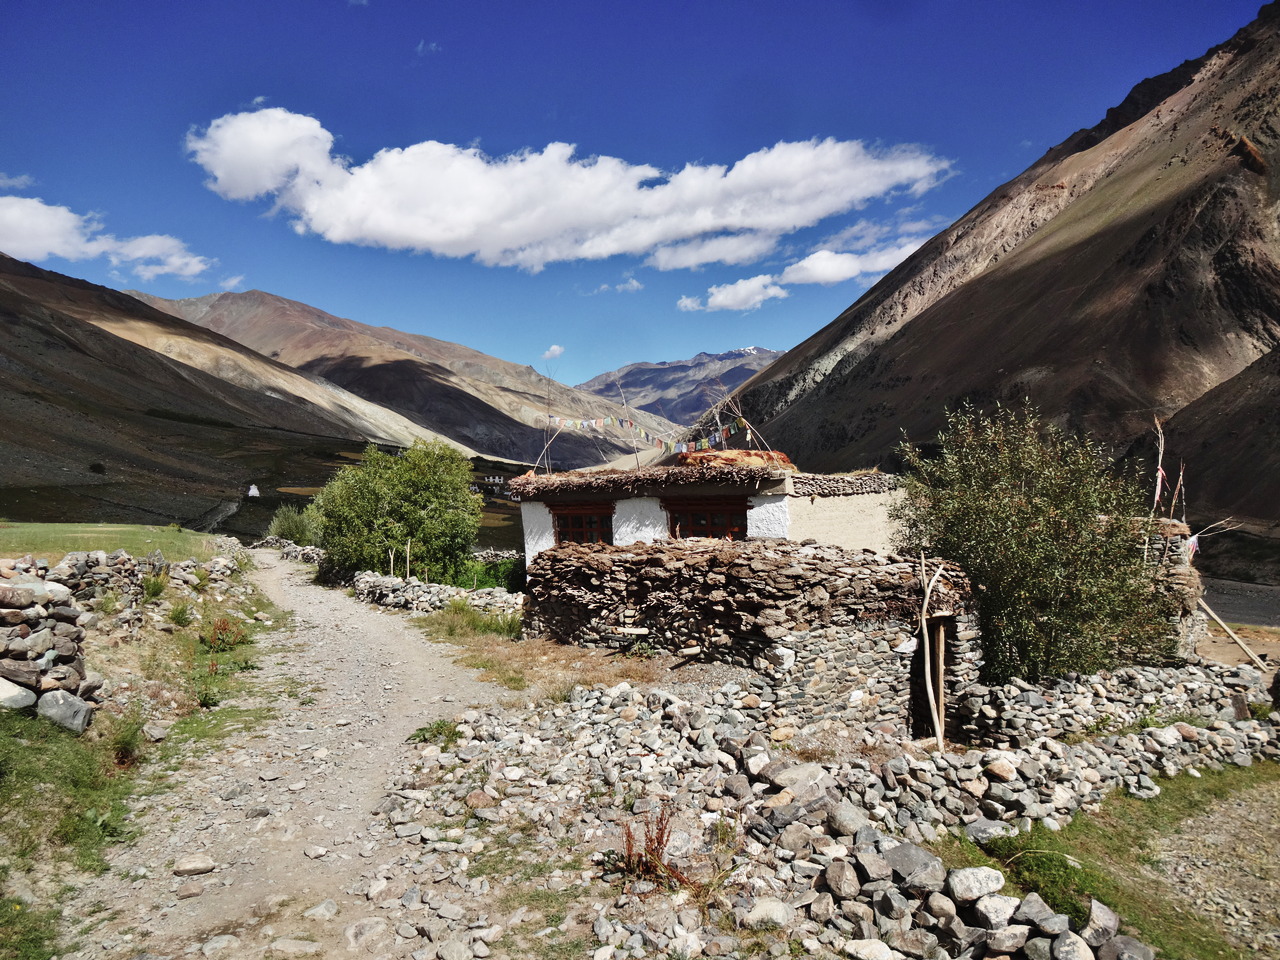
(494, 406)
(1128, 272)
(681, 390)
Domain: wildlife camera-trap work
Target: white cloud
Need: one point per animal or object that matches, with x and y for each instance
(20, 182)
(230, 283)
(743, 295)
(827, 267)
(31, 229)
(424, 48)
(821, 266)
(553, 351)
(535, 207)
(630, 285)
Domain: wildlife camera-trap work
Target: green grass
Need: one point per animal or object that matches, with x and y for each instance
(1115, 848)
(54, 540)
(61, 795)
(441, 732)
(26, 933)
(460, 620)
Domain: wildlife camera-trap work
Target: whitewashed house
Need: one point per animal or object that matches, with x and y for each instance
(726, 501)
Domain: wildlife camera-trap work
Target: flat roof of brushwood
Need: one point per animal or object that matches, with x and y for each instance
(642, 481)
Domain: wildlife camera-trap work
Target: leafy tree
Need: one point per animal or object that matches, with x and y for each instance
(419, 499)
(1048, 533)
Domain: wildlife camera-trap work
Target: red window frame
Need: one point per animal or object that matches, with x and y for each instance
(721, 518)
(582, 522)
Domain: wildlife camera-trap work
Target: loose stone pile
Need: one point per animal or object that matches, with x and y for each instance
(413, 594)
(1018, 711)
(826, 854)
(46, 613)
(290, 550)
(41, 661)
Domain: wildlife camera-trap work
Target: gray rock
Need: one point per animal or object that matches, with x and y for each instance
(219, 945)
(367, 934)
(1068, 946)
(193, 865)
(1040, 948)
(994, 910)
(22, 672)
(14, 697)
(454, 950)
(294, 948)
(868, 950)
(983, 830)
(845, 819)
(769, 913)
(1125, 948)
(325, 910)
(842, 880)
(914, 942)
(1009, 939)
(966, 884)
(66, 710)
(1102, 926)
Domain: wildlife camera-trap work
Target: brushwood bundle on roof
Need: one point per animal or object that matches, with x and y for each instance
(631, 482)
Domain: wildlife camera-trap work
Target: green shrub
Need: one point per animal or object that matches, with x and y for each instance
(475, 575)
(153, 587)
(300, 526)
(419, 500)
(1045, 528)
(181, 615)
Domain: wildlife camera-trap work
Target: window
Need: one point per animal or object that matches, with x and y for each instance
(724, 518)
(583, 522)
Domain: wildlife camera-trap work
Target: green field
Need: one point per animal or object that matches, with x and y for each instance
(53, 541)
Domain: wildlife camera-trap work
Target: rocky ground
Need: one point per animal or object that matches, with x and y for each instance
(320, 832)
(276, 819)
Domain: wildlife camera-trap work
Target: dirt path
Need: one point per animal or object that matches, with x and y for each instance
(281, 806)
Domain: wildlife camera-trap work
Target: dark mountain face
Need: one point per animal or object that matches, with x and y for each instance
(681, 390)
(494, 407)
(97, 425)
(1126, 275)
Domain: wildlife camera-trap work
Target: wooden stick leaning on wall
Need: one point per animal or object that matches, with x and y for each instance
(1257, 661)
(927, 642)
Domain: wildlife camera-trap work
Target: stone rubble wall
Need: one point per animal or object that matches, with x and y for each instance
(46, 614)
(832, 851)
(832, 631)
(1018, 711)
(413, 594)
(828, 485)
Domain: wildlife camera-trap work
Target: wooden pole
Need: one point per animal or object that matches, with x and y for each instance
(1232, 634)
(927, 642)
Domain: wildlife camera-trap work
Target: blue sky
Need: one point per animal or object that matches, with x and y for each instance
(621, 182)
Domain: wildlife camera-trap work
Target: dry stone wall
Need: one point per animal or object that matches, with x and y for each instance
(47, 612)
(831, 631)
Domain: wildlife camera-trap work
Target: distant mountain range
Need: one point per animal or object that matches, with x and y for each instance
(118, 409)
(681, 390)
(492, 406)
(1131, 273)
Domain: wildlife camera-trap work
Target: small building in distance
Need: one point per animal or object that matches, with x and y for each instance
(729, 495)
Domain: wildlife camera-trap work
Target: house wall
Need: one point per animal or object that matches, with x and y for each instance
(539, 529)
(640, 520)
(767, 516)
(858, 521)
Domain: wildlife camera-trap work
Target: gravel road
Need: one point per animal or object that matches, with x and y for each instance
(1253, 603)
(281, 807)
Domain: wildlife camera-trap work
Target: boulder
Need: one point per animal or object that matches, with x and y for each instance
(66, 710)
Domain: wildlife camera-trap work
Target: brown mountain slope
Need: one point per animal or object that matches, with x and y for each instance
(97, 426)
(496, 407)
(1132, 269)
